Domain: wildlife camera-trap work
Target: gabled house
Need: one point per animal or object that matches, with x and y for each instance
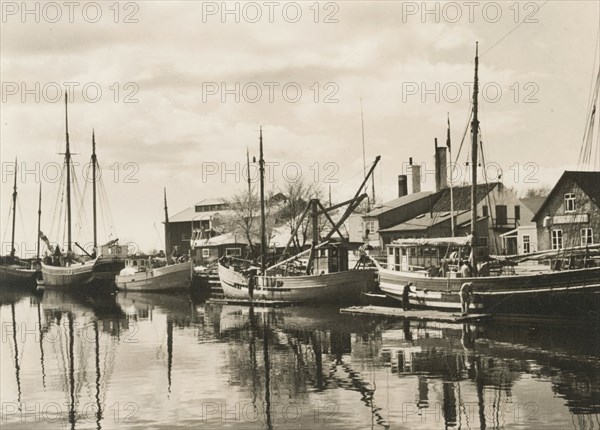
(570, 215)
(201, 217)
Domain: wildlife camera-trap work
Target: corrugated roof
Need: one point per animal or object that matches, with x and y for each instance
(400, 201)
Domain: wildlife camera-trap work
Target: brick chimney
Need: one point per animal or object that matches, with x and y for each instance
(441, 167)
(402, 185)
(416, 176)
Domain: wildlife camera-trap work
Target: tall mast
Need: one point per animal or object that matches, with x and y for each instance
(263, 240)
(68, 167)
(39, 222)
(94, 189)
(248, 169)
(14, 196)
(362, 126)
(167, 245)
(475, 133)
(449, 145)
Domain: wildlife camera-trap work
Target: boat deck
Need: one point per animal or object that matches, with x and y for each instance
(416, 314)
(246, 302)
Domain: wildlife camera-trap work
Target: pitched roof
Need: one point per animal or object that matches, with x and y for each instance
(589, 182)
(461, 196)
(424, 221)
(533, 203)
(210, 201)
(190, 214)
(400, 201)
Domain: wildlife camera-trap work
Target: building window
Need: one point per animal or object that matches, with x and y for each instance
(526, 244)
(557, 239)
(205, 253)
(570, 202)
(517, 213)
(587, 236)
(237, 252)
(485, 210)
(370, 225)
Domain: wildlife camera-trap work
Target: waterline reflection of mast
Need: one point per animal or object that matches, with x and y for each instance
(41, 333)
(169, 351)
(98, 375)
(72, 414)
(17, 365)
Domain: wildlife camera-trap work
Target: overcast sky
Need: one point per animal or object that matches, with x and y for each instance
(190, 75)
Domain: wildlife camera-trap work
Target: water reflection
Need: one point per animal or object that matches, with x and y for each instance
(140, 360)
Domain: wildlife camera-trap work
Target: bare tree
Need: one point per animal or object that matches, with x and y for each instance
(298, 195)
(244, 219)
(541, 191)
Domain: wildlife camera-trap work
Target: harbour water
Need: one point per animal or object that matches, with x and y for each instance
(156, 361)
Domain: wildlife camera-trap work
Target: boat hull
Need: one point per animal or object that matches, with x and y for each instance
(106, 269)
(16, 276)
(74, 276)
(497, 293)
(346, 286)
(168, 278)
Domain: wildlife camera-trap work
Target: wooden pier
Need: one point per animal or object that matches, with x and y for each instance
(416, 314)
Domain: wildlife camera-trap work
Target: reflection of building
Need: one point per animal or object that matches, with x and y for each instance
(570, 215)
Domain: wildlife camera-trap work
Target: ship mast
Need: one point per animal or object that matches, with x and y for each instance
(166, 225)
(39, 222)
(263, 241)
(14, 196)
(475, 135)
(68, 166)
(94, 189)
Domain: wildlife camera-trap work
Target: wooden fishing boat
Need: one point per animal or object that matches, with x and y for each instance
(160, 279)
(326, 276)
(507, 289)
(15, 272)
(66, 270)
(144, 274)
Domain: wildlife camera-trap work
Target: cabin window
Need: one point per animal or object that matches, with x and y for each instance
(390, 250)
(526, 244)
(570, 202)
(587, 236)
(205, 253)
(236, 252)
(557, 239)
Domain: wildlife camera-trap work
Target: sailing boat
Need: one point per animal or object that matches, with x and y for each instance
(148, 275)
(13, 271)
(326, 276)
(515, 291)
(67, 270)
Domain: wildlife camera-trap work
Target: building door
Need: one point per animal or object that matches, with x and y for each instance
(501, 215)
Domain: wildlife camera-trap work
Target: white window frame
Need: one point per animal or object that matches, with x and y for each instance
(370, 225)
(526, 244)
(587, 236)
(205, 252)
(557, 239)
(570, 202)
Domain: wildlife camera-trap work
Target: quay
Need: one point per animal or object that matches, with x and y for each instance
(423, 315)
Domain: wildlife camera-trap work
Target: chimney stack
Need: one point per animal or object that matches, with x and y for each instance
(402, 185)
(441, 167)
(416, 177)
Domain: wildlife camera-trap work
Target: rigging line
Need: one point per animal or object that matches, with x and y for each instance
(8, 223)
(464, 133)
(510, 32)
